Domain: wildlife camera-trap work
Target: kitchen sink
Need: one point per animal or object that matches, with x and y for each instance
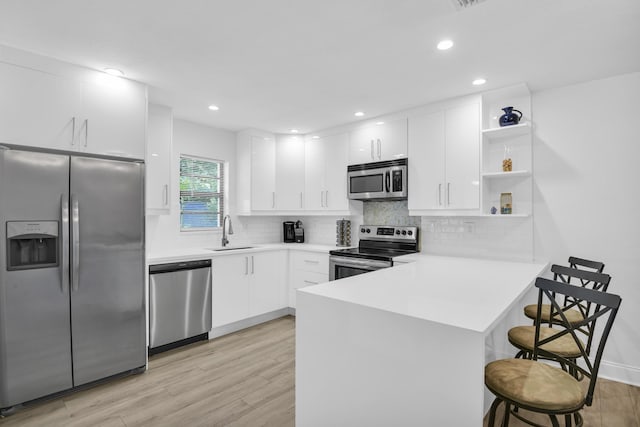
(229, 249)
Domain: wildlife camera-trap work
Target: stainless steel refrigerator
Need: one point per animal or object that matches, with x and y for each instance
(72, 306)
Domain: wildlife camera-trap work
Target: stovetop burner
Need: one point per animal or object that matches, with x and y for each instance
(382, 243)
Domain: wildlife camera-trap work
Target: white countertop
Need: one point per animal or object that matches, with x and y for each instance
(462, 292)
(176, 255)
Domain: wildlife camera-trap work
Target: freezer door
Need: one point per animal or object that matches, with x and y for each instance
(35, 339)
(107, 274)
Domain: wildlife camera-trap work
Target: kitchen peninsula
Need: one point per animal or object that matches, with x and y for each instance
(407, 345)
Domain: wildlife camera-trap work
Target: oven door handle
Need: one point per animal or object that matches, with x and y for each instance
(365, 264)
(387, 180)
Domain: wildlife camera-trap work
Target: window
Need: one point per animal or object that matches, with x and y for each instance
(201, 193)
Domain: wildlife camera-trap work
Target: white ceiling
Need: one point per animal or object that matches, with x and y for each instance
(279, 64)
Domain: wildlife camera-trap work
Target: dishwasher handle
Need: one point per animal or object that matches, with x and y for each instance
(178, 266)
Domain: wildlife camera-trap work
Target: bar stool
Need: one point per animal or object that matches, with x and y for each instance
(576, 263)
(536, 386)
(574, 311)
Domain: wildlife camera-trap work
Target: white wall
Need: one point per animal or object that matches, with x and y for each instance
(163, 231)
(586, 196)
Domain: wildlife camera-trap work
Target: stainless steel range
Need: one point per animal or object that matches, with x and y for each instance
(378, 246)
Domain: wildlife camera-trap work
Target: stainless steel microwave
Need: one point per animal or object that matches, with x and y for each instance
(378, 181)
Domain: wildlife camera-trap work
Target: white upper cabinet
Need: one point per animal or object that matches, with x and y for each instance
(385, 140)
(99, 114)
(326, 160)
(426, 166)
(263, 173)
(290, 173)
(315, 173)
(38, 109)
(114, 113)
(255, 172)
(158, 165)
(462, 159)
(444, 170)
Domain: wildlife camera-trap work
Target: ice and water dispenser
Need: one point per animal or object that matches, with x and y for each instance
(32, 244)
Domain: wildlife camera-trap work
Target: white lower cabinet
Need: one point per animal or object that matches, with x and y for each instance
(306, 269)
(247, 285)
(268, 282)
(230, 291)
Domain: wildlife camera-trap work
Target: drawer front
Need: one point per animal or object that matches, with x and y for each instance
(310, 261)
(300, 279)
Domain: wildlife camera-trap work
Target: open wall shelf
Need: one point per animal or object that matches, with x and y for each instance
(508, 142)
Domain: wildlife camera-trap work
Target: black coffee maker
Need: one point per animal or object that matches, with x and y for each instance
(288, 232)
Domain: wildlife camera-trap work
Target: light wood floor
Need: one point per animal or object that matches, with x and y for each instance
(242, 379)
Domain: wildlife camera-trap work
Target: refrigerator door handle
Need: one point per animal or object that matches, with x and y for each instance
(75, 243)
(64, 264)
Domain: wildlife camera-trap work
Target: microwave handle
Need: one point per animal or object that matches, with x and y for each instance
(387, 180)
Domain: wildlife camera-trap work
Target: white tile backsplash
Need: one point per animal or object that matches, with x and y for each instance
(497, 238)
(389, 213)
(321, 230)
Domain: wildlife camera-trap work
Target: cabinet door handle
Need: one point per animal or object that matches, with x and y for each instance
(372, 157)
(86, 132)
(326, 198)
(73, 131)
(440, 194)
(165, 195)
(301, 202)
(246, 265)
(273, 199)
(252, 265)
(448, 193)
(379, 149)
(312, 261)
(310, 282)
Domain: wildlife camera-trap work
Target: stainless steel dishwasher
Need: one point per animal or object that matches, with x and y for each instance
(179, 304)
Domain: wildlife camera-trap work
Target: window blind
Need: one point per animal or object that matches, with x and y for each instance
(201, 193)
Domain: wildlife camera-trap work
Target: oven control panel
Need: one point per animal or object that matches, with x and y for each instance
(383, 232)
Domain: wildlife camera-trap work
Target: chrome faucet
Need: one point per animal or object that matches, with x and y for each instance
(225, 241)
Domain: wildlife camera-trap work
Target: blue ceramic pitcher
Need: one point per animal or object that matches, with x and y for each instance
(510, 117)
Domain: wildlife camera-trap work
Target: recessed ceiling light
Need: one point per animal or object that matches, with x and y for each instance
(315, 137)
(214, 107)
(294, 131)
(359, 114)
(114, 72)
(445, 44)
(379, 123)
(478, 82)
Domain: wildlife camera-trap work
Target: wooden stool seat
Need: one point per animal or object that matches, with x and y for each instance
(531, 384)
(523, 337)
(573, 316)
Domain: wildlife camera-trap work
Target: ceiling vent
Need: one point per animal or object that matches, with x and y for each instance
(464, 4)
